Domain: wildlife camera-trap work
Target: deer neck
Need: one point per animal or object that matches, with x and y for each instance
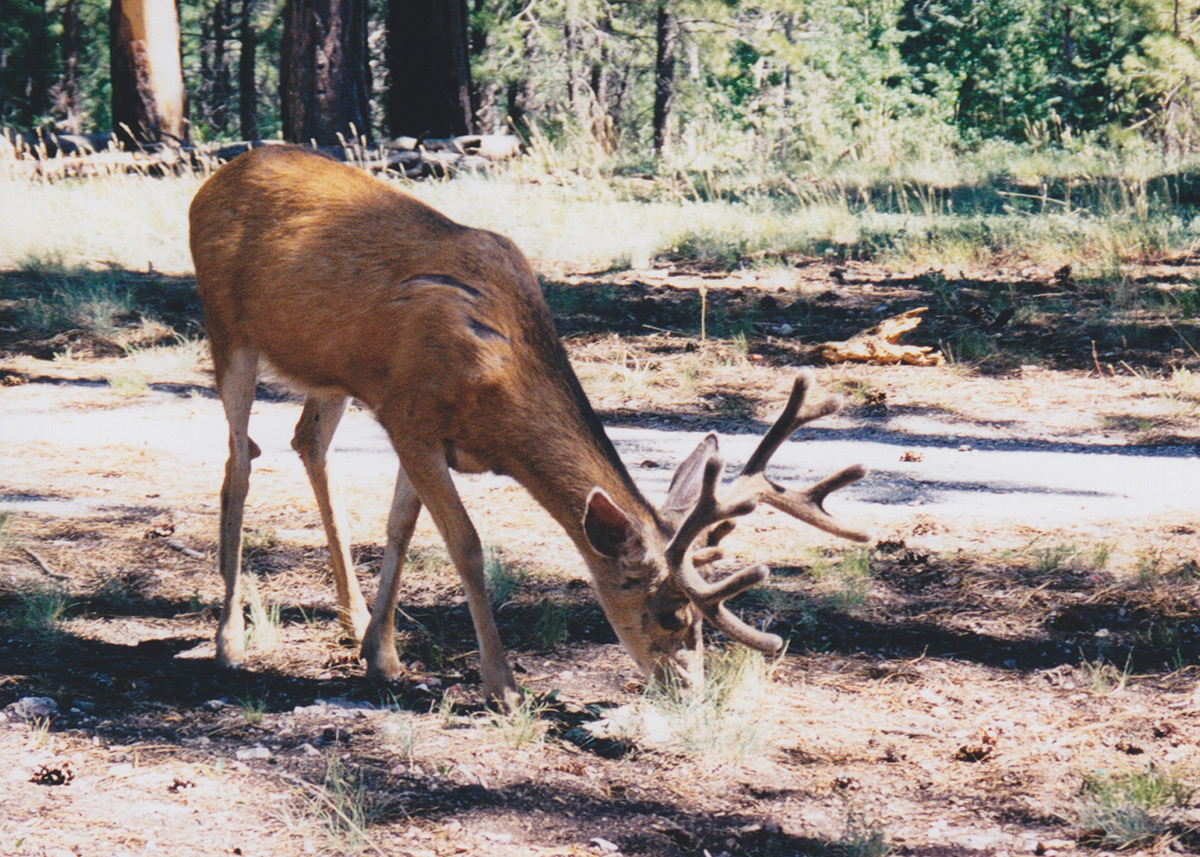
(560, 472)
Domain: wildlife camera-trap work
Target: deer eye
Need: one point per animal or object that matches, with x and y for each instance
(672, 620)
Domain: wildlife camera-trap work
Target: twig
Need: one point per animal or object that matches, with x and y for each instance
(176, 544)
(43, 565)
(909, 733)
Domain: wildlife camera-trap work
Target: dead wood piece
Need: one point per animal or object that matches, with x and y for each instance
(43, 565)
(879, 344)
(177, 545)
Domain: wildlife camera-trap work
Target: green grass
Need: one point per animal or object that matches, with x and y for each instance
(343, 805)
(844, 584)
(862, 836)
(553, 622)
(1103, 677)
(1132, 809)
(944, 213)
(503, 580)
(41, 611)
(73, 299)
(253, 709)
(521, 725)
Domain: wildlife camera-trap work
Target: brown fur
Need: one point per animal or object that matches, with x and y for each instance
(351, 288)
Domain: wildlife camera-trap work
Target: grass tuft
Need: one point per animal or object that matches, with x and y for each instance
(521, 725)
(503, 580)
(553, 623)
(863, 836)
(41, 612)
(265, 630)
(731, 721)
(1134, 809)
(254, 709)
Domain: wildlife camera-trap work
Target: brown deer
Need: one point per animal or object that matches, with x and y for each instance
(352, 288)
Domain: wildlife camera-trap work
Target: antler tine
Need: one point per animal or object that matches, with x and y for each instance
(709, 598)
(707, 511)
(795, 414)
(808, 505)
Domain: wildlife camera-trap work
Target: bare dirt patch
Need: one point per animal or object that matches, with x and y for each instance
(954, 689)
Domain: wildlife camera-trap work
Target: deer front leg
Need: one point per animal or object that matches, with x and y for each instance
(314, 434)
(430, 475)
(379, 642)
(236, 375)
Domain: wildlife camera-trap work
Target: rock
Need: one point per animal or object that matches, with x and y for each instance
(629, 723)
(604, 845)
(32, 708)
(247, 754)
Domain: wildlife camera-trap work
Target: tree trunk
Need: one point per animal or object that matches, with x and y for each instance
(521, 94)
(68, 88)
(578, 94)
(666, 40)
(600, 119)
(147, 78)
(247, 80)
(222, 31)
(427, 55)
(324, 76)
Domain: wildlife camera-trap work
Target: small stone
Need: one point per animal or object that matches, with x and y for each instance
(247, 754)
(604, 845)
(32, 708)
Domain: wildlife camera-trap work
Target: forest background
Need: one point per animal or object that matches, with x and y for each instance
(716, 84)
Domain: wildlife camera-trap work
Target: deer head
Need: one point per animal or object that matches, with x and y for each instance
(658, 595)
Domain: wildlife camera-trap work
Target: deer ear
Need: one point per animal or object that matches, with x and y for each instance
(609, 530)
(687, 481)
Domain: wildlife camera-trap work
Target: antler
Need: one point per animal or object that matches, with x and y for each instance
(710, 598)
(752, 485)
(807, 505)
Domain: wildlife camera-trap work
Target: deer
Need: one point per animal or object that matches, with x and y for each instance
(351, 288)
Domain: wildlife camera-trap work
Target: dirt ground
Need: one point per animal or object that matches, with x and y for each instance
(957, 696)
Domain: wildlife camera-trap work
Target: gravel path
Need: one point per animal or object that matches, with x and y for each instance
(923, 465)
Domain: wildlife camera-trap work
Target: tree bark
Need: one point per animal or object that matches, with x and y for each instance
(521, 95)
(222, 90)
(148, 104)
(666, 40)
(247, 79)
(428, 60)
(324, 76)
(578, 94)
(68, 102)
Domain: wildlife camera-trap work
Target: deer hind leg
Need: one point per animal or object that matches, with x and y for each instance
(379, 643)
(429, 473)
(314, 433)
(237, 373)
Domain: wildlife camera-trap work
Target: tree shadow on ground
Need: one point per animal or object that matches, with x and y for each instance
(995, 325)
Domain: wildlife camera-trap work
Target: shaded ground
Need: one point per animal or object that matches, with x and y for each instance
(951, 689)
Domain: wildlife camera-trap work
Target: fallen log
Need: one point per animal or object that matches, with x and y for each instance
(879, 344)
(58, 156)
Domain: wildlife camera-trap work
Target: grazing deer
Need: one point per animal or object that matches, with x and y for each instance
(351, 288)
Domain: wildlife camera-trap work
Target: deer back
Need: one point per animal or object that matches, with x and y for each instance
(345, 283)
